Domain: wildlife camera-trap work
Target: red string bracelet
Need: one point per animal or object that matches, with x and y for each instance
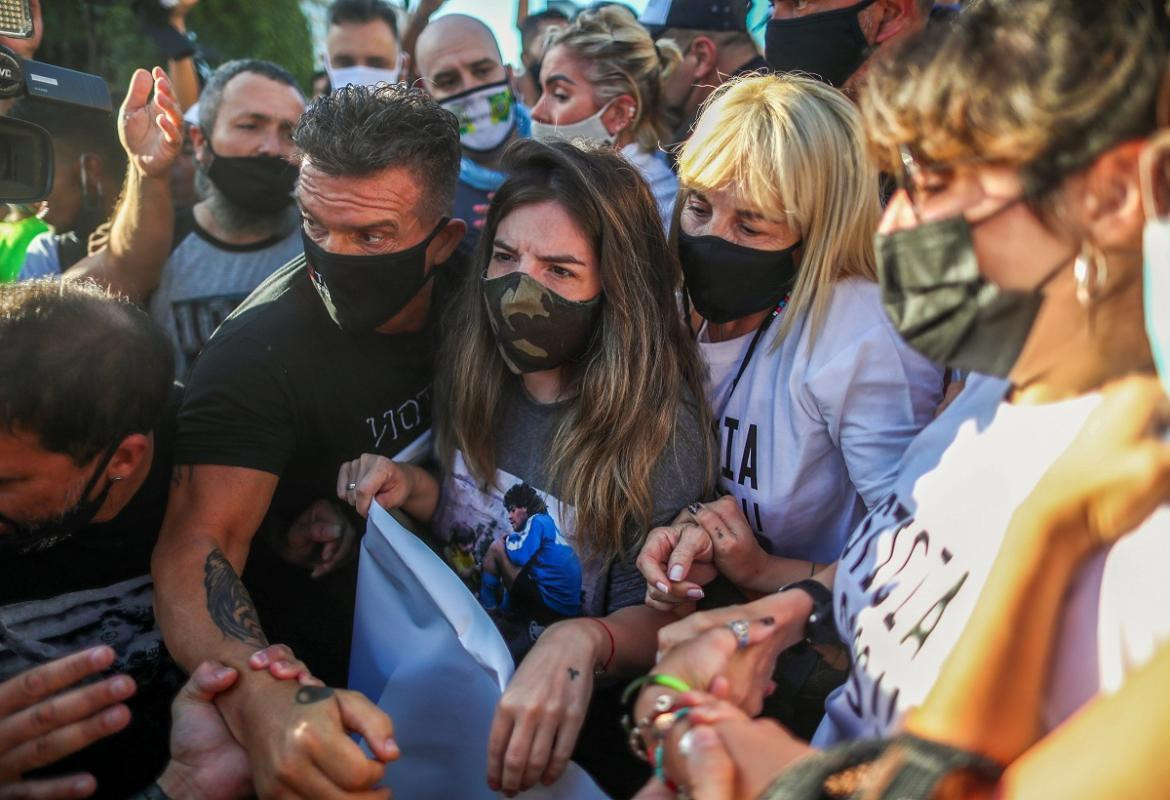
(612, 643)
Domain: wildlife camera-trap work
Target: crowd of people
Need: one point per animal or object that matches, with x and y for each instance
(797, 415)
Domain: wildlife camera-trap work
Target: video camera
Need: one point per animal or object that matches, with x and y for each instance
(26, 150)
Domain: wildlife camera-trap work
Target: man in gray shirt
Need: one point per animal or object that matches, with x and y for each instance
(195, 268)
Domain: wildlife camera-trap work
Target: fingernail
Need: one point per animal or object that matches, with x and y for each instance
(676, 572)
(99, 656)
(695, 594)
(222, 673)
(391, 747)
(280, 666)
(662, 587)
(120, 685)
(260, 659)
(83, 784)
(114, 716)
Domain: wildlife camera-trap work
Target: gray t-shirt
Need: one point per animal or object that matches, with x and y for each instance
(523, 441)
(205, 279)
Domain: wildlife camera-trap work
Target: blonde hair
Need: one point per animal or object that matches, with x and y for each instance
(795, 150)
(623, 59)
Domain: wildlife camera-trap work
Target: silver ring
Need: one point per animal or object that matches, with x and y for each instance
(740, 628)
(349, 487)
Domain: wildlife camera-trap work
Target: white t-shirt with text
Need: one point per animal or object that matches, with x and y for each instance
(813, 434)
(911, 574)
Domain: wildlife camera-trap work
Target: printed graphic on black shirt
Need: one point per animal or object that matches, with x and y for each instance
(197, 318)
(511, 545)
(121, 616)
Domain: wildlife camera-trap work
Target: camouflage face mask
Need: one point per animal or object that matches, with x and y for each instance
(537, 329)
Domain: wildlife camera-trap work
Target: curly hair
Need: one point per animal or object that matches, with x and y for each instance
(1043, 86)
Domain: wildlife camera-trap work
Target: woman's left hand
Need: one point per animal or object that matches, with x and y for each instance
(540, 715)
(738, 555)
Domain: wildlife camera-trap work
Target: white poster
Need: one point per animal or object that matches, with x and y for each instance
(428, 654)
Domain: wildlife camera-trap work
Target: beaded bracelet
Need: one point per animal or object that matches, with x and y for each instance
(661, 729)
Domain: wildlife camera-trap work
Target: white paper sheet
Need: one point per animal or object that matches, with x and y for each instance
(426, 652)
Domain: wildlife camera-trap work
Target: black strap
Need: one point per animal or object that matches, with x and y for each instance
(747, 357)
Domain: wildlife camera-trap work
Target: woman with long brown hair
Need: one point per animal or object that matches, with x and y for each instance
(570, 422)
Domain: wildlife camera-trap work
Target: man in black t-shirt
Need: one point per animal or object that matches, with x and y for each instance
(328, 359)
(87, 413)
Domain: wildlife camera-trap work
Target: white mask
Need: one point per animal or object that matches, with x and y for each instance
(1156, 267)
(590, 129)
(361, 75)
(487, 115)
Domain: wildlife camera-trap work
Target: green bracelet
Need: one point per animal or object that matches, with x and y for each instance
(669, 681)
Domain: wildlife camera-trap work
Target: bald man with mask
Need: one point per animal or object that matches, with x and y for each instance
(459, 60)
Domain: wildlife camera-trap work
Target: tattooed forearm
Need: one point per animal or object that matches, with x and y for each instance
(229, 604)
(307, 695)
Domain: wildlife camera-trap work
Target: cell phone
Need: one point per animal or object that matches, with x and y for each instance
(15, 19)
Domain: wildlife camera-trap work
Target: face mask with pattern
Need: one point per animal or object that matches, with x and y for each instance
(536, 329)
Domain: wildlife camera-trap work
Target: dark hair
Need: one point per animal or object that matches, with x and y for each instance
(211, 98)
(77, 131)
(641, 354)
(362, 11)
(1043, 86)
(82, 368)
(358, 130)
(531, 25)
(524, 496)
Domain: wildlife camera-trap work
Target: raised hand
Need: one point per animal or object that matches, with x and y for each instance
(150, 127)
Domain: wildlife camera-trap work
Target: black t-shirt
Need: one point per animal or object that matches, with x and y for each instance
(95, 588)
(282, 389)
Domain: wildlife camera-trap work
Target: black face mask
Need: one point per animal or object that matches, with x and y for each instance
(942, 305)
(27, 538)
(363, 292)
(829, 45)
(727, 281)
(537, 329)
(262, 184)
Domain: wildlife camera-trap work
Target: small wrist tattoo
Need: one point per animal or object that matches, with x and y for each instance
(307, 695)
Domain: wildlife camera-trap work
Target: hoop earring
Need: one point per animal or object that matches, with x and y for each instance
(1092, 273)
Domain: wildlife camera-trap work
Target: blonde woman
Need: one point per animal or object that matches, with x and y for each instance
(570, 422)
(602, 81)
(815, 395)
